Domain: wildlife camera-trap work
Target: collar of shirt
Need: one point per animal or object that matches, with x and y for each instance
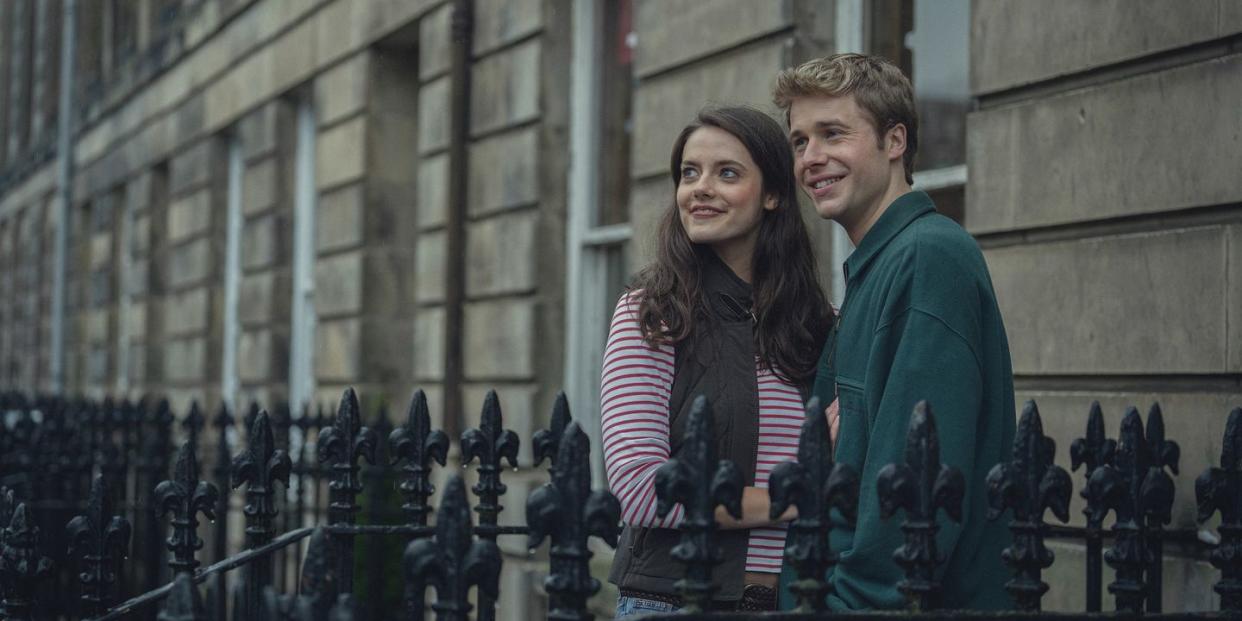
(906, 209)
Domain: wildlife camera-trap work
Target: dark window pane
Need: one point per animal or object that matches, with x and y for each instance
(616, 113)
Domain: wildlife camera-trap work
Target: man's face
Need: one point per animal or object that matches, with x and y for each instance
(838, 160)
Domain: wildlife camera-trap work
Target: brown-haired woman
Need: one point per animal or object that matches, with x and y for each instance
(730, 309)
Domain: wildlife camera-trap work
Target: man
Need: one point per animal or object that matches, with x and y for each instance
(919, 322)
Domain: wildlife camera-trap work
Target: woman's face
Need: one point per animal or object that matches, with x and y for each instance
(720, 196)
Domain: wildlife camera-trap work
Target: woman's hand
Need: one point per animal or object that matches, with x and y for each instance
(833, 412)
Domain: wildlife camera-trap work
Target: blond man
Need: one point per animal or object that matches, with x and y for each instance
(919, 322)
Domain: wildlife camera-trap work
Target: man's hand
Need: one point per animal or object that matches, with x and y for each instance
(833, 412)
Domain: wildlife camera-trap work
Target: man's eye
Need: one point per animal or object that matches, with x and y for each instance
(798, 143)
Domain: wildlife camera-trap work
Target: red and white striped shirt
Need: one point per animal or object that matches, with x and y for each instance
(636, 387)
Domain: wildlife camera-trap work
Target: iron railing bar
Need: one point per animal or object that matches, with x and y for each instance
(230, 563)
(1176, 535)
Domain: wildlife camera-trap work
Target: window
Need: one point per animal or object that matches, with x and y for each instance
(302, 319)
(930, 41)
(599, 230)
(232, 274)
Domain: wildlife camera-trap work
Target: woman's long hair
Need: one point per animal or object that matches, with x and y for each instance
(792, 316)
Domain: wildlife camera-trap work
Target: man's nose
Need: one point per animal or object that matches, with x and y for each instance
(813, 154)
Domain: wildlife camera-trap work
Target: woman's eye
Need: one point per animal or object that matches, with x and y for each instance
(688, 173)
(728, 173)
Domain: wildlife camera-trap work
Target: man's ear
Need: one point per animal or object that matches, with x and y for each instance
(895, 142)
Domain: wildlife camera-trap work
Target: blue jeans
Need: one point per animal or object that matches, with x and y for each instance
(634, 606)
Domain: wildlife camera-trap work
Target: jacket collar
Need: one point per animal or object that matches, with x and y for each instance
(728, 296)
(906, 209)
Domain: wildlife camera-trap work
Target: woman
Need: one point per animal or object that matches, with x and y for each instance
(731, 309)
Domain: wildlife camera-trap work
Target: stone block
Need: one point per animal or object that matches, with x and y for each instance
(190, 263)
(1187, 582)
(264, 297)
(190, 168)
(186, 312)
(338, 350)
(386, 341)
(504, 88)
(429, 345)
(1115, 304)
(259, 130)
(499, 343)
(504, 171)
(263, 241)
(500, 254)
(662, 28)
(1196, 421)
(185, 360)
(293, 58)
(1077, 156)
(1066, 33)
(433, 115)
(665, 104)
(137, 369)
(341, 215)
(254, 356)
(338, 284)
(430, 265)
(98, 367)
(188, 119)
(433, 178)
(342, 90)
(189, 215)
(261, 186)
(649, 199)
(501, 22)
(340, 154)
(1230, 17)
(136, 282)
(434, 37)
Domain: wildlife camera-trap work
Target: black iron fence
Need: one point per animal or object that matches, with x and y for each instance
(87, 487)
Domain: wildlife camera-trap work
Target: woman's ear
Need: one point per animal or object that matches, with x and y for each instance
(896, 141)
(770, 202)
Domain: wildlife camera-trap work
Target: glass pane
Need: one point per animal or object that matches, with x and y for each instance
(940, 51)
(616, 113)
(930, 41)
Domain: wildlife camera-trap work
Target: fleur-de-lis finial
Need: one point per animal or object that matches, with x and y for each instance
(183, 602)
(260, 467)
(342, 445)
(490, 443)
(1220, 489)
(1118, 487)
(99, 540)
(1157, 500)
(922, 486)
(545, 441)
(1029, 485)
(568, 511)
(1093, 451)
(417, 445)
(452, 561)
(816, 485)
(700, 482)
(185, 496)
(22, 566)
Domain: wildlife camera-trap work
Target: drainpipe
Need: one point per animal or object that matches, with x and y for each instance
(455, 233)
(64, 181)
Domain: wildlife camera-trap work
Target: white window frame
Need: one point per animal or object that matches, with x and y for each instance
(589, 244)
(302, 319)
(229, 383)
(125, 299)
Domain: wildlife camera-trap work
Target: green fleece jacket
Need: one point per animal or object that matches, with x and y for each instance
(919, 322)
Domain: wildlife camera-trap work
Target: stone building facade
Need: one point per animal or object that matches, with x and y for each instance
(261, 197)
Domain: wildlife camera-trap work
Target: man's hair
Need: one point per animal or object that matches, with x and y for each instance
(879, 87)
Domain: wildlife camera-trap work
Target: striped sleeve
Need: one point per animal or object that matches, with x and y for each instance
(634, 395)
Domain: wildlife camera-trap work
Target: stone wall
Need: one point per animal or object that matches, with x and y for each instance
(1103, 188)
